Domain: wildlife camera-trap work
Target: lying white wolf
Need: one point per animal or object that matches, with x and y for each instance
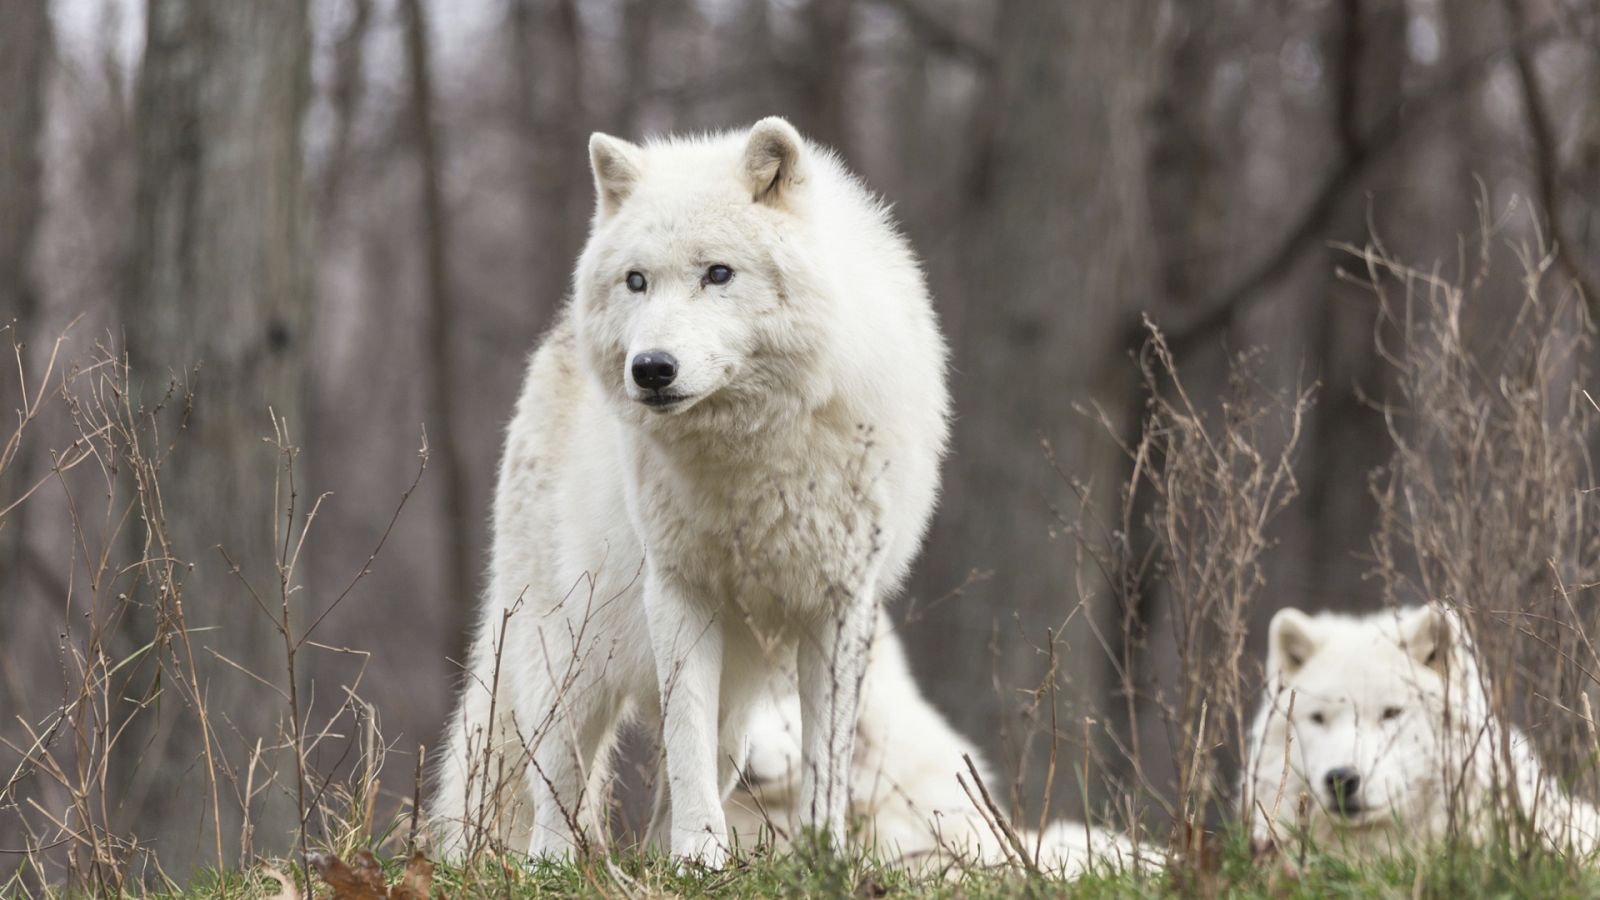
(1376, 733)
(725, 455)
(904, 789)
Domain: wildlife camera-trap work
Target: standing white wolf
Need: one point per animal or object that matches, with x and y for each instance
(1376, 734)
(904, 788)
(724, 456)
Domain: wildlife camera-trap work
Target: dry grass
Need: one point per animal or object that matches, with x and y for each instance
(127, 651)
(1488, 504)
(1191, 525)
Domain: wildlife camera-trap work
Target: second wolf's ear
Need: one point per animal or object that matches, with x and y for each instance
(1428, 635)
(773, 160)
(617, 166)
(1289, 642)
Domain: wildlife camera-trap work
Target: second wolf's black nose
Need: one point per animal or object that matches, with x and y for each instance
(1342, 784)
(654, 369)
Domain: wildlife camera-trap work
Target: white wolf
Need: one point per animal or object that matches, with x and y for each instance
(724, 456)
(904, 788)
(1376, 733)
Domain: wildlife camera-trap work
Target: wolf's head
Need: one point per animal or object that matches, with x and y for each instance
(687, 292)
(1364, 709)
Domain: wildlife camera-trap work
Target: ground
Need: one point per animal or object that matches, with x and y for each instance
(1458, 872)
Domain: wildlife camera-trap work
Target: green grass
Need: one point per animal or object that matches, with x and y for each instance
(1457, 872)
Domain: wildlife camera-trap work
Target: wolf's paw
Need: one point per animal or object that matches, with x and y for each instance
(699, 849)
(552, 846)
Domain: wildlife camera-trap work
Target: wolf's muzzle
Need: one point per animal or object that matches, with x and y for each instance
(654, 369)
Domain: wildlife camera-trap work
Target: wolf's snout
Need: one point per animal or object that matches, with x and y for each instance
(1343, 785)
(654, 369)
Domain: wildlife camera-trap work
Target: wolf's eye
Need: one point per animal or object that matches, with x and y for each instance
(718, 274)
(1391, 712)
(1319, 719)
(636, 282)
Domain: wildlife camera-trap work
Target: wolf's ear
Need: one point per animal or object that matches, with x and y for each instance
(1289, 642)
(617, 166)
(1428, 635)
(773, 160)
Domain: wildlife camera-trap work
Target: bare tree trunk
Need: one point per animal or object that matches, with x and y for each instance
(220, 281)
(25, 44)
(1055, 238)
(443, 431)
(346, 93)
(1348, 438)
(553, 123)
(25, 49)
(1187, 196)
(825, 88)
(639, 19)
(1546, 162)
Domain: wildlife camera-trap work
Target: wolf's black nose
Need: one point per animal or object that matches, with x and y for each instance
(1342, 786)
(654, 369)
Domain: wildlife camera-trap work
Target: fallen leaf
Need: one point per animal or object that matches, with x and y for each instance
(417, 881)
(363, 879)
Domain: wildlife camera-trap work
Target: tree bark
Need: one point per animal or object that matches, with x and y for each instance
(1055, 237)
(219, 281)
(825, 88)
(25, 45)
(443, 434)
(346, 93)
(553, 123)
(25, 51)
(1348, 438)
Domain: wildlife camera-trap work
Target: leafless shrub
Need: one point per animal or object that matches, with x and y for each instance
(1217, 485)
(1193, 520)
(127, 650)
(1487, 505)
(1488, 502)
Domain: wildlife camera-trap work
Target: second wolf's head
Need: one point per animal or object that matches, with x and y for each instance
(700, 283)
(1357, 736)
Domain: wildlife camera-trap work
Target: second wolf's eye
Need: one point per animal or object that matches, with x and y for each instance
(1391, 712)
(1318, 718)
(636, 282)
(718, 274)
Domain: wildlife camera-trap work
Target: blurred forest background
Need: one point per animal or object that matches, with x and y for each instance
(362, 214)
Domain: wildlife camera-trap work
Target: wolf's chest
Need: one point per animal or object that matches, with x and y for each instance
(802, 539)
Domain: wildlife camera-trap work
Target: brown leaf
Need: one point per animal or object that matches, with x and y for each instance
(417, 881)
(363, 881)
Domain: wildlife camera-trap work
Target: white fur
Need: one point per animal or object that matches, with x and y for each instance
(1402, 704)
(664, 562)
(905, 795)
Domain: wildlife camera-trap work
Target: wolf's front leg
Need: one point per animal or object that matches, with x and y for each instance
(731, 755)
(831, 663)
(687, 642)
